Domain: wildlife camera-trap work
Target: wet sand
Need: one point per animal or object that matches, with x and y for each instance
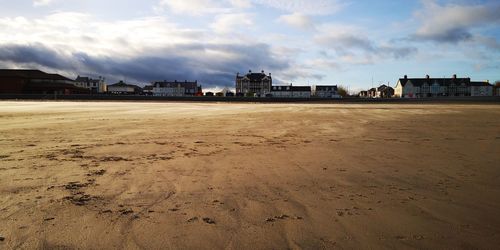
(130, 175)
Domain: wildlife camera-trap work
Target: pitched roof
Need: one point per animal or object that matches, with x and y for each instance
(326, 87)
(441, 81)
(254, 77)
(31, 74)
(148, 87)
(384, 87)
(123, 84)
(291, 88)
(480, 84)
(175, 84)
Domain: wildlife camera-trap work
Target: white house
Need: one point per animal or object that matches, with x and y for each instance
(290, 91)
(431, 87)
(481, 89)
(176, 88)
(124, 88)
(325, 91)
(94, 85)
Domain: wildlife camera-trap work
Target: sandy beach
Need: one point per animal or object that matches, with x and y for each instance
(130, 175)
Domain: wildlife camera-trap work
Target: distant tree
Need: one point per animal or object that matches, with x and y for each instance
(343, 91)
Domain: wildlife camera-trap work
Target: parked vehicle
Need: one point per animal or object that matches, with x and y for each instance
(229, 94)
(209, 94)
(240, 94)
(269, 95)
(219, 94)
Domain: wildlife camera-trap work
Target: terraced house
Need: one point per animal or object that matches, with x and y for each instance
(432, 87)
(290, 91)
(176, 88)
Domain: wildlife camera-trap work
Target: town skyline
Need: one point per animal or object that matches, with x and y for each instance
(359, 45)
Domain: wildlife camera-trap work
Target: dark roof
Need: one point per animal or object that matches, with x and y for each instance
(384, 87)
(82, 79)
(430, 81)
(326, 87)
(123, 84)
(31, 74)
(291, 88)
(175, 84)
(86, 79)
(480, 84)
(148, 87)
(254, 77)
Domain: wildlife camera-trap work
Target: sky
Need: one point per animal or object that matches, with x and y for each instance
(357, 44)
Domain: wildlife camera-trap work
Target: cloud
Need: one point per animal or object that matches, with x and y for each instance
(140, 49)
(227, 23)
(193, 62)
(306, 7)
(297, 20)
(204, 7)
(453, 23)
(352, 46)
(38, 3)
(190, 7)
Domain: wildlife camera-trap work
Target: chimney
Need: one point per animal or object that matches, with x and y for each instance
(250, 71)
(262, 71)
(454, 76)
(237, 74)
(269, 74)
(406, 77)
(427, 77)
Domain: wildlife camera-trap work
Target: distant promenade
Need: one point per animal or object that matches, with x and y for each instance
(489, 99)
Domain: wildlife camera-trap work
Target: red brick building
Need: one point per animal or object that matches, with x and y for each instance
(22, 81)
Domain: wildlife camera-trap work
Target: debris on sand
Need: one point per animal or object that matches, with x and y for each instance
(50, 218)
(193, 219)
(126, 211)
(270, 220)
(75, 185)
(208, 220)
(80, 199)
(2, 238)
(282, 217)
(113, 158)
(97, 172)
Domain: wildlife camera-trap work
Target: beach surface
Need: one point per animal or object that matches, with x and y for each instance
(132, 175)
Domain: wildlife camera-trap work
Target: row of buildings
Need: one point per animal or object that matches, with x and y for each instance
(432, 87)
(261, 85)
(18, 81)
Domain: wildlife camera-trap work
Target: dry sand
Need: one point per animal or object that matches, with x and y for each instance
(248, 176)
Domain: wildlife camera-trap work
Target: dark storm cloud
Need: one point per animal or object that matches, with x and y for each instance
(184, 62)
